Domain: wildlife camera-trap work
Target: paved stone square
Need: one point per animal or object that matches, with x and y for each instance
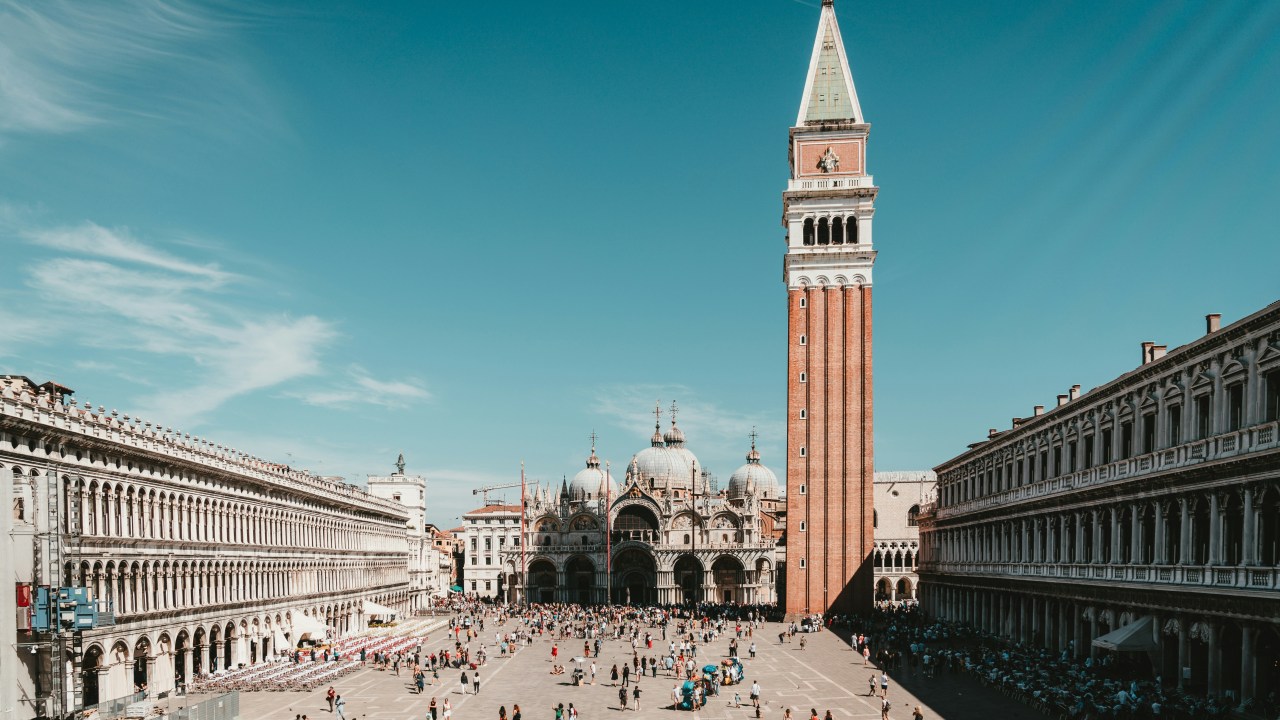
(826, 675)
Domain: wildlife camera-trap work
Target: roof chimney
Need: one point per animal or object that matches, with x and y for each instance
(1075, 392)
(1158, 351)
(992, 432)
(1062, 400)
(1146, 353)
(1212, 322)
(1038, 410)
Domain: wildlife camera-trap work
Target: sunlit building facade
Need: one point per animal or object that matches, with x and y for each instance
(199, 557)
(1142, 515)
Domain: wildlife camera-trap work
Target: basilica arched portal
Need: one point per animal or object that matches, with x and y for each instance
(542, 581)
(580, 580)
(635, 577)
(688, 577)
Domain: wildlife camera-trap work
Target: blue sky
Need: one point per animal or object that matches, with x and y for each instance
(325, 233)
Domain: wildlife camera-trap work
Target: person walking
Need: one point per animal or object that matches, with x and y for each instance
(626, 674)
(871, 685)
(752, 649)
(330, 695)
(475, 681)
(593, 672)
(755, 693)
(622, 697)
(884, 684)
(635, 697)
(448, 709)
(884, 708)
(916, 714)
(340, 705)
(431, 709)
(420, 680)
(464, 682)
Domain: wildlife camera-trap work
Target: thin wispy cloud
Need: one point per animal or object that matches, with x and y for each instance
(360, 388)
(66, 65)
(119, 244)
(113, 297)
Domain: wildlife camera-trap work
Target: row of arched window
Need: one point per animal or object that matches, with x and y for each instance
(147, 586)
(113, 509)
(831, 231)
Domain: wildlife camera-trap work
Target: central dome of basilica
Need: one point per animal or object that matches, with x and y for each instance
(666, 465)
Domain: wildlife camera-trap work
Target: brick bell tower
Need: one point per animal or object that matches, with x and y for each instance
(827, 210)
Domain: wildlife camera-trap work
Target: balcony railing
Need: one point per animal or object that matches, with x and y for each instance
(1258, 438)
(1239, 577)
(831, 183)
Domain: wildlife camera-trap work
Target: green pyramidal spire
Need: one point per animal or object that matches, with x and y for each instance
(829, 94)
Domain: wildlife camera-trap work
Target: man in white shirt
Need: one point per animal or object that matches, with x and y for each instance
(755, 693)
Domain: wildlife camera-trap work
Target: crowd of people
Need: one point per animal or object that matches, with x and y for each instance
(689, 647)
(1058, 684)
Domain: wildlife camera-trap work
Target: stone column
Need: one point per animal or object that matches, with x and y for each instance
(1184, 652)
(1093, 633)
(186, 666)
(1215, 661)
(1159, 555)
(1215, 530)
(1136, 539)
(1115, 534)
(1047, 637)
(1248, 665)
(1063, 627)
(1249, 548)
(1184, 549)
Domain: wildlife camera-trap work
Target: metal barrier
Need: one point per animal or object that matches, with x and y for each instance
(218, 707)
(110, 708)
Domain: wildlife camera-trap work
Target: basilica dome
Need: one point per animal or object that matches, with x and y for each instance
(666, 463)
(592, 482)
(754, 477)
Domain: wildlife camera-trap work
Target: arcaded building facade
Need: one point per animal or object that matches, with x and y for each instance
(827, 209)
(199, 557)
(661, 536)
(1151, 503)
(899, 495)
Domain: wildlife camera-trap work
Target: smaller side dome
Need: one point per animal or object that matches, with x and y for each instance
(753, 478)
(592, 483)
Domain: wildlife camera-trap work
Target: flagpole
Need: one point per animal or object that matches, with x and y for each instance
(524, 583)
(608, 538)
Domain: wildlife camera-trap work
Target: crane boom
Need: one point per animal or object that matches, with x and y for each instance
(486, 488)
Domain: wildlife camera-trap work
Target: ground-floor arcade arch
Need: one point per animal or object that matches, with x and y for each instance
(635, 577)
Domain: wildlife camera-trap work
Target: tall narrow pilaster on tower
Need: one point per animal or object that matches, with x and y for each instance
(827, 210)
